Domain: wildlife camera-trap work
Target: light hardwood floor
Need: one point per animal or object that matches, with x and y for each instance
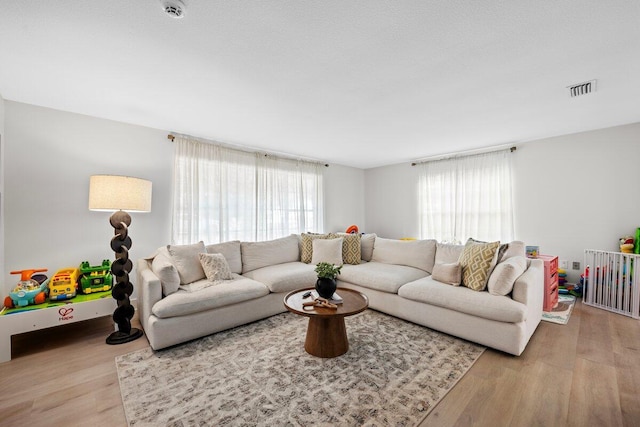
(585, 373)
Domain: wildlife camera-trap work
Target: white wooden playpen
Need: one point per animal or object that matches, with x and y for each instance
(612, 281)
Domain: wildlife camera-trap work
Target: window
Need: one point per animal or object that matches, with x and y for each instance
(221, 194)
(466, 197)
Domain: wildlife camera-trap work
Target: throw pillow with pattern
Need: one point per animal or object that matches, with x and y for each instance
(215, 267)
(475, 261)
(351, 247)
(306, 245)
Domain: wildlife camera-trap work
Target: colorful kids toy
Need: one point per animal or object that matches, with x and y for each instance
(31, 289)
(63, 284)
(95, 279)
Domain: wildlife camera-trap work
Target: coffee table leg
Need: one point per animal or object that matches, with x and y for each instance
(326, 336)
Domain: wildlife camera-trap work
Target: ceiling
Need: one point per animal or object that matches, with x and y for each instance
(360, 83)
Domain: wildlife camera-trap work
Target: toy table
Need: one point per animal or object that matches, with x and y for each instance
(52, 313)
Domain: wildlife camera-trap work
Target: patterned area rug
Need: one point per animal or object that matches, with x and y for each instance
(259, 375)
(562, 312)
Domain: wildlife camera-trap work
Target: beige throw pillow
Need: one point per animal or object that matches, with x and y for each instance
(185, 258)
(215, 267)
(327, 250)
(447, 273)
(475, 261)
(505, 274)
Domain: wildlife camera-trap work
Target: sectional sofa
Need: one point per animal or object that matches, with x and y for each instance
(483, 292)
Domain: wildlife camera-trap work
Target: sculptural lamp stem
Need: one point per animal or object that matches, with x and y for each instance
(109, 192)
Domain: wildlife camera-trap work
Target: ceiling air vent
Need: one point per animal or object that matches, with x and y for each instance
(582, 88)
(174, 8)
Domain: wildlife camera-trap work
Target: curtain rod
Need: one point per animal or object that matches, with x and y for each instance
(326, 165)
(463, 154)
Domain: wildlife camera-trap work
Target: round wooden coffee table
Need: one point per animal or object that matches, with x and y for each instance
(326, 333)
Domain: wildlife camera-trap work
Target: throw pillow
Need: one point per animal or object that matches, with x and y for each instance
(447, 273)
(351, 247)
(505, 275)
(215, 267)
(306, 245)
(475, 261)
(327, 250)
(162, 267)
(185, 258)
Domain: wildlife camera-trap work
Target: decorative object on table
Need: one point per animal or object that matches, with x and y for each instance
(352, 229)
(560, 313)
(319, 302)
(532, 251)
(96, 278)
(626, 245)
(326, 283)
(335, 298)
(382, 380)
(63, 284)
(31, 289)
(120, 193)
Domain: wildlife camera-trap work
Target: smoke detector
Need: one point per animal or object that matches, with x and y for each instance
(580, 89)
(174, 8)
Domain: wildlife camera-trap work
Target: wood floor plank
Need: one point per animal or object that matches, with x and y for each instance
(580, 374)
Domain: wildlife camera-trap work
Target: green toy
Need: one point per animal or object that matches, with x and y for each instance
(95, 279)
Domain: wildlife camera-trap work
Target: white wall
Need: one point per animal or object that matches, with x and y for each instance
(2, 144)
(571, 193)
(344, 198)
(50, 155)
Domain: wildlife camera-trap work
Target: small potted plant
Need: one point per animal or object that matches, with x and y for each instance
(326, 283)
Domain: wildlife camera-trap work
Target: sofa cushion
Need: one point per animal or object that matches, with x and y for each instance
(505, 274)
(516, 248)
(271, 252)
(476, 262)
(215, 267)
(185, 258)
(351, 247)
(464, 300)
(327, 250)
(413, 253)
(182, 303)
(380, 276)
(367, 241)
(306, 245)
(447, 253)
(285, 277)
(162, 266)
(231, 252)
(450, 273)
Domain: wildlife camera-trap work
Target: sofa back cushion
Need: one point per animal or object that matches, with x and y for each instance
(367, 241)
(262, 254)
(447, 253)
(187, 262)
(231, 252)
(515, 248)
(413, 253)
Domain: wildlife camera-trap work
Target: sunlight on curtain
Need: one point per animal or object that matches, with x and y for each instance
(467, 197)
(221, 194)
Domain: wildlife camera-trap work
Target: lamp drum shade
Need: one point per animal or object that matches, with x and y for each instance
(115, 192)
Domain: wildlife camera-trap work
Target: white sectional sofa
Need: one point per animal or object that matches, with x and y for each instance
(178, 303)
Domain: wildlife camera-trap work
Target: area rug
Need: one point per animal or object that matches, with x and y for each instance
(562, 312)
(394, 373)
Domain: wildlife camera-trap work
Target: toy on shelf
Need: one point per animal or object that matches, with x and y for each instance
(31, 289)
(626, 245)
(63, 284)
(95, 279)
(352, 229)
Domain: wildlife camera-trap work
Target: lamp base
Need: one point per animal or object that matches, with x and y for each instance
(118, 337)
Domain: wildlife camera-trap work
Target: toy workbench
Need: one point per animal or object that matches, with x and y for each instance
(51, 313)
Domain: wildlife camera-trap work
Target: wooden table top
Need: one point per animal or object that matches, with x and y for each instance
(353, 302)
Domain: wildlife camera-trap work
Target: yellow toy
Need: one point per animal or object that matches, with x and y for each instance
(63, 284)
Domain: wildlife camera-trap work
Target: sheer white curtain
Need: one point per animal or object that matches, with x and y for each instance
(466, 197)
(221, 194)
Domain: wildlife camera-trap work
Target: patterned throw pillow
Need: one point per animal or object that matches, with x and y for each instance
(306, 245)
(475, 261)
(215, 267)
(351, 248)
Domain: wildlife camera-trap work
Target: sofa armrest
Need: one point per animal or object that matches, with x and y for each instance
(149, 291)
(529, 287)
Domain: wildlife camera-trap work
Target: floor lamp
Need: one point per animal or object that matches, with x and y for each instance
(116, 194)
